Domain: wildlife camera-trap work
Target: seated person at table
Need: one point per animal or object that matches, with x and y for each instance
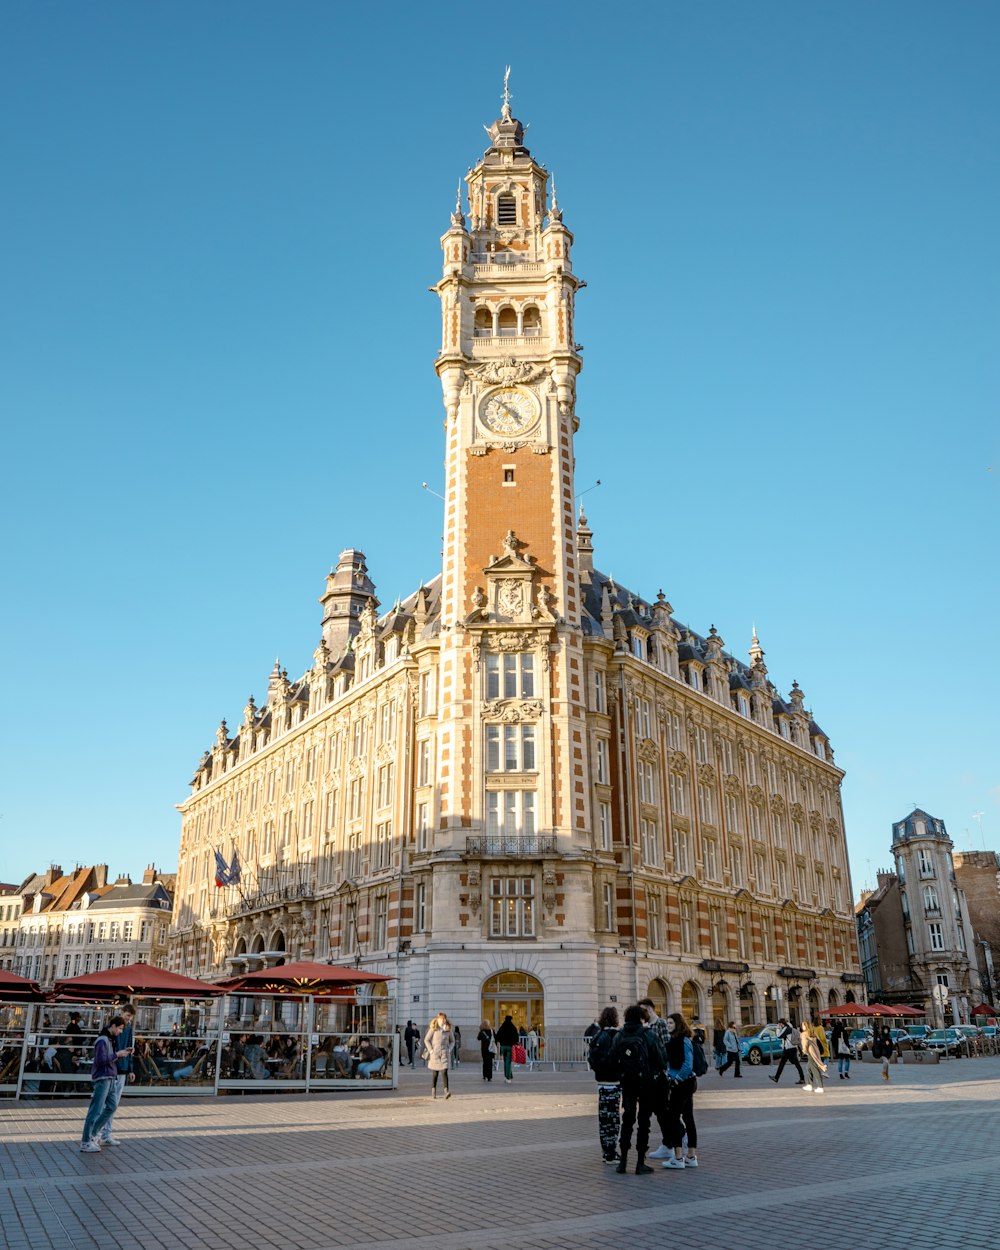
(340, 1057)
(253, 1053)
(201, 1058)
(372, 1059)
(145, 1063)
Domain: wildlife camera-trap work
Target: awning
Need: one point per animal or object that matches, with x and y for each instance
(134, 980)
(303, 977)
(15, 989)
(983, 1009)
(883, 1009)
(847, 1010)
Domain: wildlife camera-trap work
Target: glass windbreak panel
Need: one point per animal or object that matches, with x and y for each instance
(345, 1046)
(60, 1051)
(265, 1038)
(13, 1021)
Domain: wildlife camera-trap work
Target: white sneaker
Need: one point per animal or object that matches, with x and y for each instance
(818, 1089)
(91, 1147)
(661, 1152)
(672, 1163)
(111, 1141)
(691, 1161)
(807, 1088)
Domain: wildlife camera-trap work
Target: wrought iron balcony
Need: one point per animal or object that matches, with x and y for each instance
(514, 845)
(276, 896)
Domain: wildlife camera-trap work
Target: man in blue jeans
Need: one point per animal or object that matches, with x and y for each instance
(104, 1093)
(125, 1074)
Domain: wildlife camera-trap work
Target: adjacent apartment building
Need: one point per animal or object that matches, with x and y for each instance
(525, 787)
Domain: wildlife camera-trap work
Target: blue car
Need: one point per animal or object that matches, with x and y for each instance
(760, 1044)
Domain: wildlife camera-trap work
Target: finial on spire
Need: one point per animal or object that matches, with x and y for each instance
(756, 650)
(458, 217)
(506, 98)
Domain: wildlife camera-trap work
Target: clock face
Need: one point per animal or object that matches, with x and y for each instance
(509, 411)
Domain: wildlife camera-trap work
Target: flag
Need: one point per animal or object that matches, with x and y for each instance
(235, 872)
(221, 870)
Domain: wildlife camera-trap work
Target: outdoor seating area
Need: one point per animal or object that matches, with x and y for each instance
(307, 1027)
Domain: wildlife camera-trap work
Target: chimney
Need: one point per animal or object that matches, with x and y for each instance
(149, 876)
(100, 875)
(55, 871)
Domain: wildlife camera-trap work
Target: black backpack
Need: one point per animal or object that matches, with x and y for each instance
(700, 1063)
(601, 1046)
(632, 1058)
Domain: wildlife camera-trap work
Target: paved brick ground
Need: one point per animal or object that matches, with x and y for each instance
(515, 1168)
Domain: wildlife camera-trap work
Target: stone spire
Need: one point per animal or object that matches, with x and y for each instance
(506, 134)
(756, 652)
(584, 546)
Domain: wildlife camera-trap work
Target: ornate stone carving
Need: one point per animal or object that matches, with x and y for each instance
(510, 641)
(706, 775)
(384, 753)
(678, 762)
(510, 712)
(648, 751)
(356, 767)
(510, 597)
(507, 369)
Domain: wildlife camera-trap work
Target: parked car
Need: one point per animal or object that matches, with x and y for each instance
(968, 1030)
(918, 1031)
(948, 1040)
(860, 1039)
(760, 1044)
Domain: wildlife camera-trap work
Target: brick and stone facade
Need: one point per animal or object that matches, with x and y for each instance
(524, 787)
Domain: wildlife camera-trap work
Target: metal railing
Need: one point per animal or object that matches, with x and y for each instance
(512, 845)
(261, 900)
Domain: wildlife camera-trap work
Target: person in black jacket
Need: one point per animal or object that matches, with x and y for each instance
(639, 1058)
(609, 1090)
(507, 1037)
(486, 1040)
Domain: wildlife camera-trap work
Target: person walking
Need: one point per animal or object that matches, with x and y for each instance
(841, 1050)
(638, 1060)
(609, 1092)
(886, 1047)
(104, 1088)
(507, 1038)
(411, 1037)
(732, 1045)
(533, 1044)
(814, 1059)
(439, 1042)
(126, 1042)
(455, 1060)
(819, 1032)
(790, 1038)
(487, 1048)
(718, 1044)
(681, 1084)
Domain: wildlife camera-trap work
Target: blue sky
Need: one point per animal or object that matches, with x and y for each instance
(217, 344)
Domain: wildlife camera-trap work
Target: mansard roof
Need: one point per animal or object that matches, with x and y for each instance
(132, 895)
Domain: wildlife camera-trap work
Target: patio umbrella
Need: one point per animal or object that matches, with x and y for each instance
(883, 1009)
(303, 977)
(983, 1009)
(903, 1010)
(134, 979)
(15, 989)
(847, 1010)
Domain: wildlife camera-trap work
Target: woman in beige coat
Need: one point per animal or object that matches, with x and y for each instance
(438, 1044)
(814, 1056)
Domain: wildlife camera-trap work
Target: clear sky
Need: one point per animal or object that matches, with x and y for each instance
(216, 346)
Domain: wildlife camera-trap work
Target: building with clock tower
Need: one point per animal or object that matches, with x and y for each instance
(524, 788)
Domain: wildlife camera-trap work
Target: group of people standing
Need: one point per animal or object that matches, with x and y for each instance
(648, 1067)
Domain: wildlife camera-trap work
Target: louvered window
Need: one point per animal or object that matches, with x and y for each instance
(506, 211)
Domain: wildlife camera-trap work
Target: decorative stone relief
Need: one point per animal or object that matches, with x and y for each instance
(507, 369)
(678, 762)
(356, 767)
(511, 712)
(648, 751)
(508, 642)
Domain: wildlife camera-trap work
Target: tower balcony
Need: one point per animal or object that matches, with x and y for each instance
(506, 269)
(488, 346)
(511, 846)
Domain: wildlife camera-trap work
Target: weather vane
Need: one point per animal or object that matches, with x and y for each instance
(505, 111)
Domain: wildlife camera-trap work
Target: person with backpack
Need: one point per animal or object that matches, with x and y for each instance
(609, 1092)
(732, 1045)
(790, 1038)
(637, 1058)
(683, 1065)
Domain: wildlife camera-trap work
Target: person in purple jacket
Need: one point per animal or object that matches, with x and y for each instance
(104, 1093)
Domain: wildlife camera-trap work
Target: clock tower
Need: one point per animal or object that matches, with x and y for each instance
(510, 596)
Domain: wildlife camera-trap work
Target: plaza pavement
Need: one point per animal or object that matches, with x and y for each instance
(912, 1165)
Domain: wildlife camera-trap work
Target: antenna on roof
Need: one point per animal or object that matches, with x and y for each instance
(425, 487)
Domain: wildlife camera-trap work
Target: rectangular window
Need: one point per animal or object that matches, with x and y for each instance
(305, 834)
(102, 931)
(381, 921)
(727, 756)
(289, 776)
(512, 907)
(781, 873)
(937, 937)
(424, 762)
(387, 721)
(736, 866)
(357, 798)
(675, 732)
(427, 693)
(385, 784)
(604, 826)
(286, 829)
(644, 718)
(510, 675)
(678, 794)
(926, 863)
(647, 782)
(650, 843)
(654, 937)
(126, 930)
(760, 875)
(706, 805)
(360, 736)
(711, 859)
(778, 828)
(756, 824)
(420, 909)
(354, 855)
(330, 819)
(682, 851)
(733, 814)
(765, 939)
(333, 754)
(423, 825)
(750, 766)
(382, 851)
(609, 906)
(687, 926)
(772, 776)
(271, 784)
(99, 962)
(310, 769)
(800, 881)
(701, 746)
(510, 748)
(600, 693)
(510, 813)
(742, 935)
(603, 769)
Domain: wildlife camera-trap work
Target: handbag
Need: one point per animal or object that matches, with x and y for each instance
(425, 1054)
(493, 1045)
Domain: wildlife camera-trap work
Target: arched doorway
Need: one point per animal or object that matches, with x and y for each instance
(795, 1004)
(660, 994)
(748, 1005)
(833, 999)
(720, 1003)
(515, 994)
(813, 1003)
(849, 997)
(690, 1000)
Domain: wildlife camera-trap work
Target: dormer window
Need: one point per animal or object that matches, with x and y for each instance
(506, 210)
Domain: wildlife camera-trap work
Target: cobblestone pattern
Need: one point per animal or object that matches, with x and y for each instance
(512, 1168)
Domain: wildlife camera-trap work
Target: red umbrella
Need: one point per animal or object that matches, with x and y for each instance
(303, 977)
(134, 979)
(15, 989)
(984, 1009)
(882, 1009)
(848, 1009)
(903, 1010)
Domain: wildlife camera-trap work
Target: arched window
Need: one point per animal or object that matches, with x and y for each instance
(690, 1000)
(506, 210)
(659, 992)
(532, 321)
(483, 323)
(507, 323)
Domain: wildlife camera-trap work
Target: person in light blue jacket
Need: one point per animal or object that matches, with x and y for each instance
(681, 1083)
